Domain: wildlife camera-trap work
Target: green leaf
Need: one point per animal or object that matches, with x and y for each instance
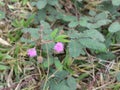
(7, 57)
(62, 40)
(82, 76)
(91, 25)
(61, 86)
(49, 47)
(93, 44)
(33, 32)
(75, 49)
(67, 60)
(24, 2)
(117, 36)
(108, 6)
(58, 64)
(69, 84)
(61, 36)
(106, 56)
(94, 34)
(83, 21)
(41, 4)
(102, 16)
(33, 3)
(46, 32)
(29, 20)
(47, 63)
(72, 83)
(41, 15)
(3, 67)
(58, 38)
(1, 56)
(69, 18)
(53, 2)
(22, 39)
(46, 27)
(2, 15)
(73, 24)
(53, 34)
(53, 13)
(116, 2)
(79, 0)
(102, 22)
(118, 76)
(61, 74)
(92, 13)
(73, 34)
(114, 27)
(2, 3)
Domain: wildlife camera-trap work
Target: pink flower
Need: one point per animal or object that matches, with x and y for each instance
(59, 47)
(32, 52)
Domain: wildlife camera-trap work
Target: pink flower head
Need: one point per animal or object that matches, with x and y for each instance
(59, 47)
(32, 52)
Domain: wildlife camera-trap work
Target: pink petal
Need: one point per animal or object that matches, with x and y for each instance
(59, 47)
(32, 52)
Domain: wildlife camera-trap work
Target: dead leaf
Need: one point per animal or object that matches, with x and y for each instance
(3, 42)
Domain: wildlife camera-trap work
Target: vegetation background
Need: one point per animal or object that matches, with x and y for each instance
(89, 31)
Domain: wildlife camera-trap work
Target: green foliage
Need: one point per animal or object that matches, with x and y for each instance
(88, 30)
(94, 34)
(2, 15)
(14, 35)
(41, 4)
(92, 31)
(76, 48)
(60, 83)
(87, 42)
(54, 33)
(118, 76)
(114, 27)
(58, 64)
(116, 2)
(53, 2)
(2, 3)
(33, 32)
(117, 36)
(61, 75)
(83, 76)
(3, 67)
(106, 56)
(5, 56)
(59, 38)
(69, 84)
(47, 63)
(53, 13)
(24, 2)
(46, 30)
(91, 39)
(67, 60)
(22, 23)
